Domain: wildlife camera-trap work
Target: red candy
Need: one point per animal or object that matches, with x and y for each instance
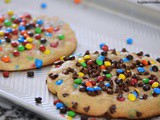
(14, 44)
(100, 78)
(92, 82)
(15, 32)
(54, 44)
(121, 99)
(16, 53)
(6, 33)
(37, 36)
(25, 42)
(151, 82)
(56, 101)
(42, 48)
(105, 48)
(56, 29)
(133, 81)
(90, 62)
(28, 16)
(6, 74)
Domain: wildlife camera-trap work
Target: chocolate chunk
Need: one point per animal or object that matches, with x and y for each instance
(114, 52)
(140, 53)
(124, 50)
(65, 94)
(43, 40)
(7, 39)
(96, 52)
(147, 55)
(86, 109)
(146, 73)
(139, 114)
(38, 100)
(59, 62)
(30, 73)
(112, 109)
(105, 72)
(145, 96)
(74, 105)
(146, 87)
(155, 68)
(84, 117)
(63, 110)
(126, 89)
(107, 116)
(71, 57)
(53, 76)
(82, 89)
(130, 57)
(78, 64)
(87, 52)
(158, 60)
(140, 84)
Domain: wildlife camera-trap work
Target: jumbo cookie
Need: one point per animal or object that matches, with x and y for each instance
(111, 84)
(28, 42)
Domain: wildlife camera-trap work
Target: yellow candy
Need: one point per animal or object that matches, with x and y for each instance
(80, 60)
(14, 26)
(152, 62)
(107, 63)
(131, 97)
(29, 39)
(117, 52)
(1, 33)
(87, 57)
(10, 12)
(34, 19)
(28, 46)
(7, 1)
(61, 58)
(80, 74)
(69, 118)
(136, 90)
(155, 84)
(122, 76)
(47, 52)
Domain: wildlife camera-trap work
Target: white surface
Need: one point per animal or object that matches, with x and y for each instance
(92, 26)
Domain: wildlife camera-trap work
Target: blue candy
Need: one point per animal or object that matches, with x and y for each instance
(101, 57)
(129, 41)
(96, 88)
(120, 70)
(21, 28)
(38, 63)
(43, 5)
(0, 41)
(141, 69)
(125, 60)
(59, 105)
(107, 84)
(90, 89)
(135, 93)
(59, 82)
(20, 39)
(101, 45)
(9, 30)
(156, 90)
(48, 34)
(40, 22)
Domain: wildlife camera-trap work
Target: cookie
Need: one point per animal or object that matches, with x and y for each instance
(28, 42)
(109, 83)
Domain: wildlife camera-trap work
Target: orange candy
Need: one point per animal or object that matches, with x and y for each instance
(1, 48)
(88, 84)
(1, 19)
(49, 29)
(144, 62)
(103, 67)
(77, 1)
(23, 32)
(5, 59)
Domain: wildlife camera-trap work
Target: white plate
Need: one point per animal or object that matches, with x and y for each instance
(92, 24)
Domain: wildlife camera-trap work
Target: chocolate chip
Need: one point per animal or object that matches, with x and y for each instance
(38, 100)
(130, 57)
(74, 105)
(59, 62)
(146, 73)
(140, 53)
(30, 73)
(154, 94)
(114, 52)
(71, 58)
(112, 109)
(140, 84)
(139, 114)
(82, 89)
(53, 76)
(65, 72)
(124, 50)
(158, 60)
(30, 33)
(65, 94)
(96, 52)
(146, 87)
(78, 64)
(147, 55)
(43, 40)
(126, 89)
(155, 68)
(87, 52)
(106, 72)
(145, 96)
(63, 110)
(107, 115)
(84, 117)
(103, 53)
(86, 109)
(7, 39)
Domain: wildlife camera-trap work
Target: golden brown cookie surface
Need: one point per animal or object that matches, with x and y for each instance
(27, 42)
(120, 85)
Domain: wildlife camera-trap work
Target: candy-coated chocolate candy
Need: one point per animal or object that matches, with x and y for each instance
(38, 30)
(21, 48)
(80, 74)
(7, 23)
(155, 84)
(78, 81)
(122, 76)
(38, 36)
(87, 57)
(129, 41)
(15, 32)
(131, 97)
(47, 52)
(59, 105)
(145, 80)
(21, 28)
(6, 74)
(5, 59)
(80, 60)
(29, 39)
(10, 12)
(42, 48)
(1, 33)
(43, 5)
(156, 90)
(28, 46)
(83, 64)
(145, 62)
(14, 44)
(38, 63)
(71, 113)
(88, 84)
(40, 22)
(59, 82)
(54, 45)
(16, 53)
(108, 75)
(107, 63)
(61, 36)
(141, 69)
(43, 40)
(99, 62)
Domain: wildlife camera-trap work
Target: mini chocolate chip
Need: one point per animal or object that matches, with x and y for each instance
(87, 52)
(59, 62)
(158, 60)
(74, 105)
(7, 39)
(147, 55)
(38, 100)
(140, 53)
(63, 110)
(84, 117)
(130, 57)
(155, 68)
(82, 89)
(139, 114)
(86, 109)
(112, 109)
(43, 40)
(146, 87)
(145, 96)
(30, 73)
(53, 76)
(65, 94)
(71, 57)
(78, 64)
(104, 53)
(124, 50)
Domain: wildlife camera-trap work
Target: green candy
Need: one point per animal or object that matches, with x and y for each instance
(145, 80)
(7, 23)
(83, 64)
(13, 18)
(38, 30)
(21, 48)
(71, 113)
(78, 81)
(99, 62)
(108, 75)
(61, 37)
